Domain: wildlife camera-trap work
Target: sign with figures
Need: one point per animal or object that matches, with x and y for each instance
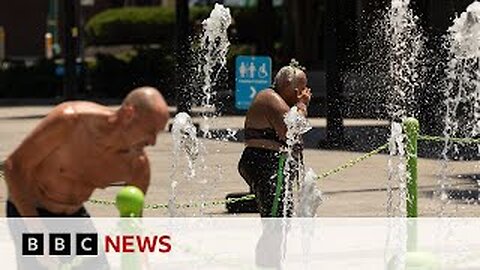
(252, 74)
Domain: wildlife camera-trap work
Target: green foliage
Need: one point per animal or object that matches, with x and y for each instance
(147, 25)
(115, 77)
(109, 76)
(136, 25)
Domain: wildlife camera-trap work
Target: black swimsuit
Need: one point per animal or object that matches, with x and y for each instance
(262, 170)
(263, 134)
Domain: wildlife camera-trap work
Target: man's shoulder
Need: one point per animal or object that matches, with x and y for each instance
(266, 93)
(64, 112)
(269, 98)
(73, 110)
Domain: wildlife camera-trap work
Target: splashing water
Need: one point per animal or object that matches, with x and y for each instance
(210, 51)
(465, 33)
(310, 197)
(397, 202)
(297, 125)
(397, 173)
(406, 46)
(294, 170)
(462, 93)
(184, 135)
(185, 139)
(214, 43)
(478, 189)
(396, 249)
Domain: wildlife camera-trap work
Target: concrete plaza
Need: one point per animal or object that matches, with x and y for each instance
(357, 191)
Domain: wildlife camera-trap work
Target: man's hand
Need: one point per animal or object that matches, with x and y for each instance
(304, 96)
(303, 100)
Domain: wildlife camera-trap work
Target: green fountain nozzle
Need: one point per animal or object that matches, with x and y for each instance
(412, 127)
(416, 260)
(422, 260)
(130, 201)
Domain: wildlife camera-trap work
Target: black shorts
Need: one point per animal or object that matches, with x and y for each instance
(44, 213)
(18, 227)
(262, 169)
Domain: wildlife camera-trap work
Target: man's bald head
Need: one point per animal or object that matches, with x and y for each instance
(287, 76)
(289, 83)
(147, 102)
(145, 99)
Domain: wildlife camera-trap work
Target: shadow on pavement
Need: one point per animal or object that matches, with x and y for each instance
(362, 139)
(23, 117)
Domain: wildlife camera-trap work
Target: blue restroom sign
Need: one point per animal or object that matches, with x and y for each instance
(252, 74)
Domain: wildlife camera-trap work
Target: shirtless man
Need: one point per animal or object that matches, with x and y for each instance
(265, 134)
(80, 146)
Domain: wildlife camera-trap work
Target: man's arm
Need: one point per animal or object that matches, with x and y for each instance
(276, 108)
(141, 173)
(37, 146)
(275, 111)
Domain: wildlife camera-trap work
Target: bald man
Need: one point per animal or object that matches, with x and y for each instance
(265, 135)
(79, 147)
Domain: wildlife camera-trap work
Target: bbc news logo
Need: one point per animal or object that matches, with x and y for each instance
(86, 244)
(59, 244)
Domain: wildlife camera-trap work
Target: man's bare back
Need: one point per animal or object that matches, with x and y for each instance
(267, 111)
(78, 147)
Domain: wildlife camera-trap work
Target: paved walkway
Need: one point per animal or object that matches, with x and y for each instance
(358, 191)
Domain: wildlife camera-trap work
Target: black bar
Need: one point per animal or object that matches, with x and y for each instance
(335, 128)
(70, 86)
(265, 37)
(184, 95)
